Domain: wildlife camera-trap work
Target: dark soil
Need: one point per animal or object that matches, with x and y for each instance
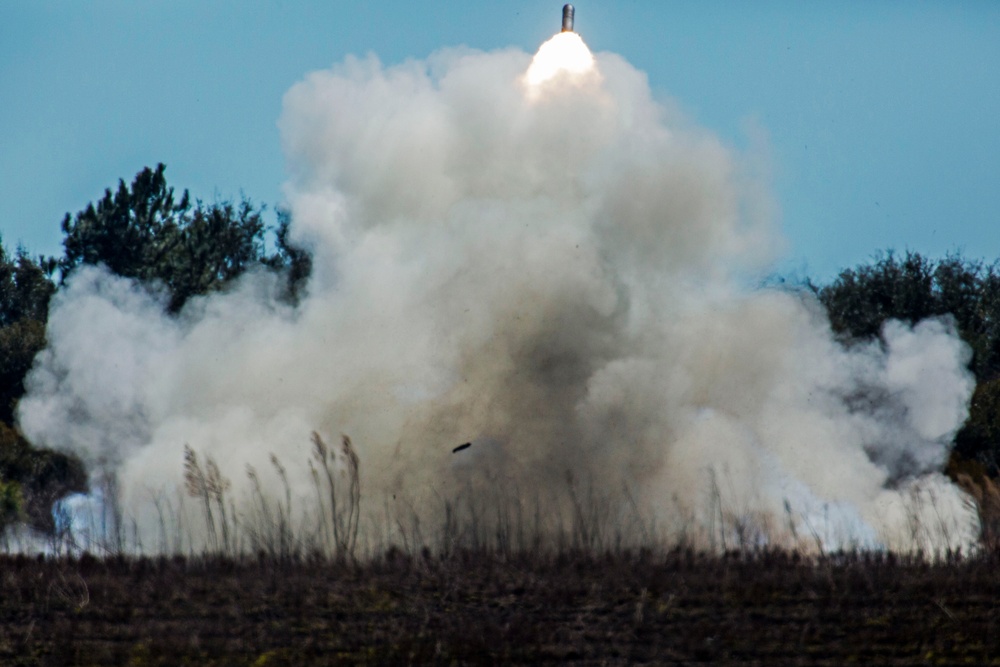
(679, 608)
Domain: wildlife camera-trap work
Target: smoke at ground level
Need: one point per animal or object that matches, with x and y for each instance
(555, 273)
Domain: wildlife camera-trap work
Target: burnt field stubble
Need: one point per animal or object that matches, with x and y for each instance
(473, 607)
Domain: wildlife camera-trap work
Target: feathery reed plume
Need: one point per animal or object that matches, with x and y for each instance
(210, 486)
(345, 504)
(286, 542)
(354, 480)
(112, 513)
(261, 527)
(985, 493)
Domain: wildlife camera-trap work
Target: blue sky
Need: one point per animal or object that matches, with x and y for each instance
(882, 119)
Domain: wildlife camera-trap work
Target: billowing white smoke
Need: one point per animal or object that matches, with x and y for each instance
(556, 273)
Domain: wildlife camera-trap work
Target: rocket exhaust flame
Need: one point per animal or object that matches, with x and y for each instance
(554, 271)
(565, 53)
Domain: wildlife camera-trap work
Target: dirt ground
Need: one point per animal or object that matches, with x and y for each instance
(677, 608)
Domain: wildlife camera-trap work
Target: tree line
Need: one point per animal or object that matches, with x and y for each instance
(911, 287)
(142, 230)
(145, 231)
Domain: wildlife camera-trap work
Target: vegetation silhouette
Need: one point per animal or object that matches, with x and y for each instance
(145, 231)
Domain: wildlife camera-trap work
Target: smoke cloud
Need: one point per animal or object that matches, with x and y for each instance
(560, 273)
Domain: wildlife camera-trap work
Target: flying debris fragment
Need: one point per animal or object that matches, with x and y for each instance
(461, 447)
(567, 18)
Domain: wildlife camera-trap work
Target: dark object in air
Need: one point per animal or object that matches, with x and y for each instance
(568, 18)
(461, 447)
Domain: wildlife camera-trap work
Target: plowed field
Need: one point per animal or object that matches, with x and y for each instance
(678, 608)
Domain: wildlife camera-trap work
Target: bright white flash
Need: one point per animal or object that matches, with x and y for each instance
(565, 52)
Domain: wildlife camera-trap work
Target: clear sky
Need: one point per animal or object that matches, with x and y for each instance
(881, 119)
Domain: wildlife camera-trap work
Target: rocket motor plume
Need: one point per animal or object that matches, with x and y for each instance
(554, 273)
(564, 56)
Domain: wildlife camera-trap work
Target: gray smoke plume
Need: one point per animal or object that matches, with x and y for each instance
(556, 273)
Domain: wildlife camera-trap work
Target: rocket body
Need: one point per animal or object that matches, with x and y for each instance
(567, 23)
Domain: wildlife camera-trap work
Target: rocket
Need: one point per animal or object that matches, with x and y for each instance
(567, 18)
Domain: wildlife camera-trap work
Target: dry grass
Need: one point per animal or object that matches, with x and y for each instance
(986, 494)
(495, 578)
(337, 523)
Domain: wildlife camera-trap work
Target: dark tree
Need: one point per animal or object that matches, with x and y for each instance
(141, 231)
(31, 480)
(971, 292)
(216, 244)
(25, 291)
(911, 288)
(42, 475)
(860, 300)
(145, 232)
(134, 232)
(291, 258)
